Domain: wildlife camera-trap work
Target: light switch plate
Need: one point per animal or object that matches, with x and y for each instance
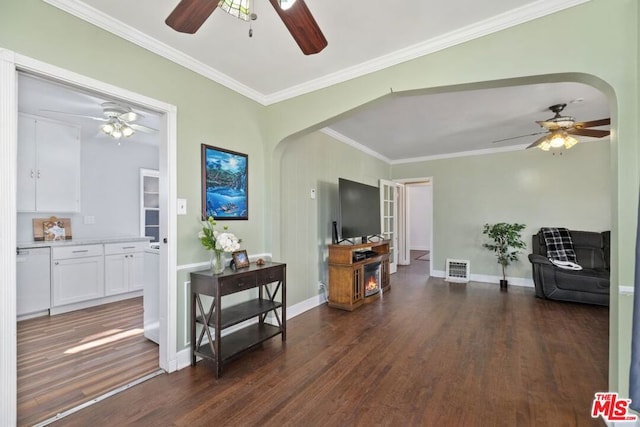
(182, 206)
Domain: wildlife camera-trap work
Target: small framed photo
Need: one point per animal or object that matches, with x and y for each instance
(240, 258)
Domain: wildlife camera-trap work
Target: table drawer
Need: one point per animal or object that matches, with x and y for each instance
(270, 275)
(237, 283)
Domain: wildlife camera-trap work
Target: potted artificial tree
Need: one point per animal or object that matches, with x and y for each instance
(506, 242)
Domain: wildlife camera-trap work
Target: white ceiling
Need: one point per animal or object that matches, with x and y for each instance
(45, 98)
(362, 38)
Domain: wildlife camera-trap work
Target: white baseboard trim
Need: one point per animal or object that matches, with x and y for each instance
(93, 303)
(183, 357)
(485, 278)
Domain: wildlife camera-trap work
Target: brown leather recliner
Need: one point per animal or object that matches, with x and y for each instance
(589, 285)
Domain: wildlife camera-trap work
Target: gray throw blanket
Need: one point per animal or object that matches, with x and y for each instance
(559, 244)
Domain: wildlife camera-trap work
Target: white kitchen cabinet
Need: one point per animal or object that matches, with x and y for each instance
(48, 166)
(124, 267)
(77, 274)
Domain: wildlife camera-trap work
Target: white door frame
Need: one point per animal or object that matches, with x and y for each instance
(10, 64)
(403, 237)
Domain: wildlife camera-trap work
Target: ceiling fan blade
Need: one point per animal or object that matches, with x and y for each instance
(594, 133)
(593, 123)
(100, 119)
(537, 142)
(189, 15)
(516, 137)
(303, 27)
(130, 116)
(141, 128)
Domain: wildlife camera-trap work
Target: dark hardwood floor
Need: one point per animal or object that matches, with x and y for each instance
(428, 353)
(71, 358)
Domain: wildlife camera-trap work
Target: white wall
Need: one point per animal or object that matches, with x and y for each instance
(109, 177)
(420, 214)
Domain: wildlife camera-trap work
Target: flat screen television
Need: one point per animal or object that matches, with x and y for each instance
(359, 214)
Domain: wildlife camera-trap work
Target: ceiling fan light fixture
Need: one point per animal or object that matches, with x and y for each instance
(117, 133)
(569, 141)
(545, 146)
(238, 8)
(556, 140)
(107, 128)
(127, 131)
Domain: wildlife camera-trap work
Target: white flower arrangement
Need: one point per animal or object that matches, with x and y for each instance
(212, 240)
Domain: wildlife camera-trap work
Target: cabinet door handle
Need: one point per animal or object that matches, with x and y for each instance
(56, 263)
(80, 251)
(38, 173)
(33, 173)
(128, 247)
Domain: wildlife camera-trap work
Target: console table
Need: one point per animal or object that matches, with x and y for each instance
(270, 279)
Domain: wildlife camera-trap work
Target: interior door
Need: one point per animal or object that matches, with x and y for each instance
(404, 254)
(388, 220)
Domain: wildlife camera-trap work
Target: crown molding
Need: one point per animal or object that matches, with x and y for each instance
(355, 144)
(345, 139)
(470, 153)
(131, 34)
(494, 24)
(488, 26)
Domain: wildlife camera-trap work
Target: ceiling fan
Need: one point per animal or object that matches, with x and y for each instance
(189, 15)
(558, 130)
(118, 120)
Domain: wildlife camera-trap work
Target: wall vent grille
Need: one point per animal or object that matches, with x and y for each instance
(457, 271)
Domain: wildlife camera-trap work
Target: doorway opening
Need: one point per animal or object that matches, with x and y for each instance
(11, 67)
(415, 221)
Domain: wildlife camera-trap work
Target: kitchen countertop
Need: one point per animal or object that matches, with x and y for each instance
(77, 242)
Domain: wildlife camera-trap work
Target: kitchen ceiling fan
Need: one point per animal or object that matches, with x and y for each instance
(189, 15)
(119, 120)
(558, 130)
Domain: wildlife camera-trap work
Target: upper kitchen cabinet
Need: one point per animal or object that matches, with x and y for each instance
(48, 165)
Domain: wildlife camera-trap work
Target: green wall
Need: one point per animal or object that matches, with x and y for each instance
(316, 161)
(598, 45)
(603, 43)
(531, 187)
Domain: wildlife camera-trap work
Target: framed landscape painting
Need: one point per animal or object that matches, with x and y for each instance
(225, 190)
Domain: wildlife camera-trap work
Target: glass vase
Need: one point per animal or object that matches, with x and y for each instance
(217, 262)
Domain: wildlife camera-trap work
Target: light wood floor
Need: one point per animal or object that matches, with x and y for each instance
(427, 354)
(71, 358)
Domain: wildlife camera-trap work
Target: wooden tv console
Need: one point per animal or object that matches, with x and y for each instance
(346, 276)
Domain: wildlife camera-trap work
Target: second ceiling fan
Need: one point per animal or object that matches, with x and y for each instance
(560, 128)
(189, 15)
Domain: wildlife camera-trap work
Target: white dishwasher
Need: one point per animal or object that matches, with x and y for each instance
(33, 277)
